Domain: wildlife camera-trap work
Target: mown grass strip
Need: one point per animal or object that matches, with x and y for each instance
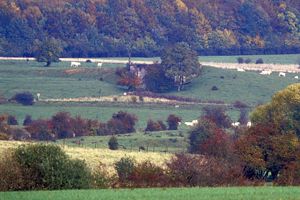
(235, 193)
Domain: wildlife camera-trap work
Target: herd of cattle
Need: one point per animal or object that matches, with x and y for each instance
(263, 72)
(234, 124)
(78, 64)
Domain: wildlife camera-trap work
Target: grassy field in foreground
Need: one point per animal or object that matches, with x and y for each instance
(236, 193)
(94, 156)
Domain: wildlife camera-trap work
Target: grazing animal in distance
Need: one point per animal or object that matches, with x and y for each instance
(282, 74)
(266, 72)
(75, 64)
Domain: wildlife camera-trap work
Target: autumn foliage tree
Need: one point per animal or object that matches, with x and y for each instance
(283, 110)
(41, 130)
(173, 122)
(265, 151)
(129, 79)
(106, 28)
(217, 115)
(155, 125)
(208, 139)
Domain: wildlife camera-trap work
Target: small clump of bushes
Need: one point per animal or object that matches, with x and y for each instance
(24, 98)
(40, 167)
(155, 126)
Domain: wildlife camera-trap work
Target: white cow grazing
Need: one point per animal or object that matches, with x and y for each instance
(266, 72)
(282, 74)
(236, 124)
(99, 64)
(75, 64)
(192, 123)
(249, 124)
(296, 77)
(240, 70)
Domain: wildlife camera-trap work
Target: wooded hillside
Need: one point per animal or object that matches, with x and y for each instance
(94, 28)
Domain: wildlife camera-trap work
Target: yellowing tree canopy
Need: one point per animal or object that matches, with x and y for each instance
(283, 110)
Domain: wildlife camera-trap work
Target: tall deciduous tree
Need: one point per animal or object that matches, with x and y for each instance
(207, 139)
(283, 110)
(265, 151)
(180, 63)
(155, 79)
(48, 51)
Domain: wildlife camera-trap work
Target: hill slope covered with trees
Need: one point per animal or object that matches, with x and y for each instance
(93, 28)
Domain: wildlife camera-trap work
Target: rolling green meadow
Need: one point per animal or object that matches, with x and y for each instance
(61, 81)
(150, 100)
(246, 193)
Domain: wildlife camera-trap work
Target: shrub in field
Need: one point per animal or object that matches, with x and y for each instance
(11, 120)
(196, 170)
(62, 125)
(4, 136)
(77, 175)
(19, 134)
(290, 175)
(24, 98)
(243, 119)
(155, 126)
(113, 143)
(207, 139)
(162, 125)
(217, 114)
(240, 60)
(4, 127)
(41, 130)
(10, 173)
(83, 127)
(102, 178)
(248, 60)
(27, 121)
(133, 99)
(103, 129)
(173, 122)
(147, 174)
(122, 122)
(141, 98)
(125, 167)
(214, 88)
(259, 61)
(48, 167)
(239, 104)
